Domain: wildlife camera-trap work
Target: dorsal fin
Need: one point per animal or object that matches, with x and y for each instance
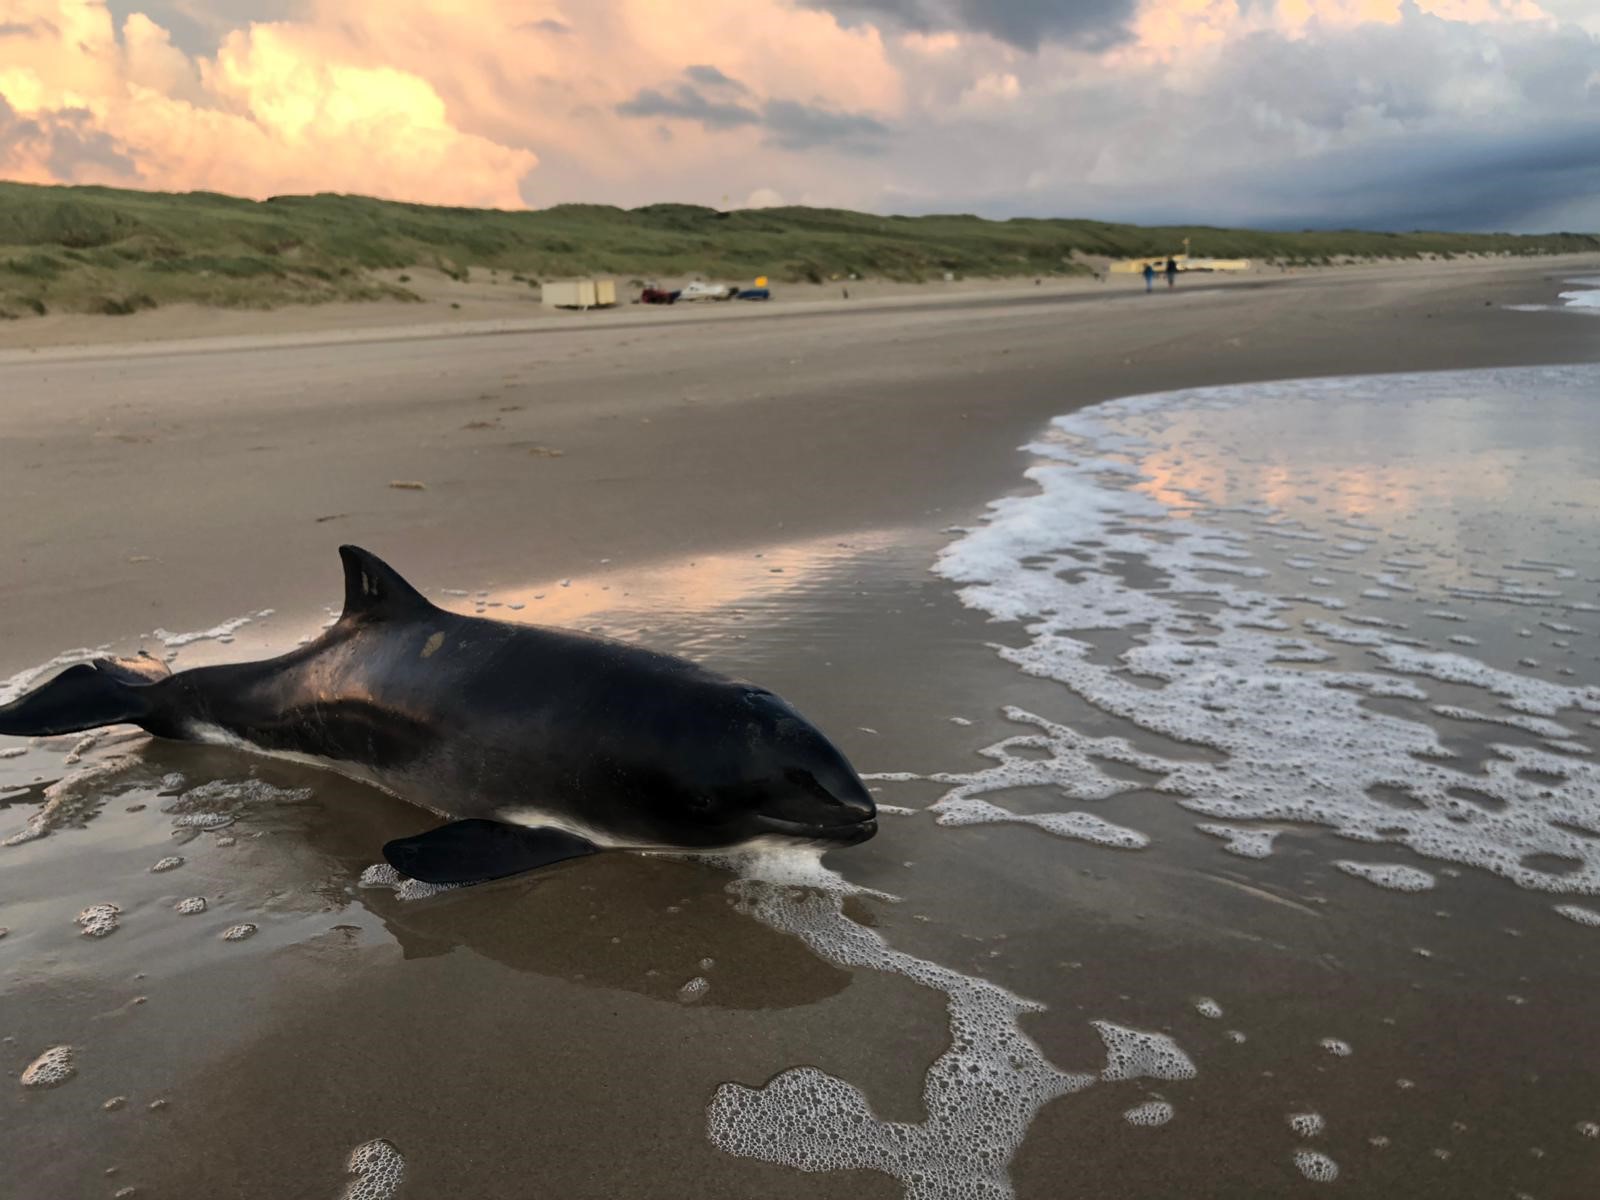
(374, 591)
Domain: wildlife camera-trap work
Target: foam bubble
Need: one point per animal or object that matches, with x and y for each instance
(1335, 1047)
(1136, 1054)
(99, 919)
(238, 933)
(1246, 843)
(1207, 1007)
(225, 629)
(224, 798)
(1583, 916)
(81, 747)
(1150, 1113)
(1215, 665)
(170, 863)
(1085, 827)
(980, 1095)
(51, 1069)
(379, 1169)
(1589, 1129)
(1316, 1166)
(1394, 876)
(202, 821)
(1307, 1124)
(694, 989)
(382, 875)
(191, 906)
(71, 797)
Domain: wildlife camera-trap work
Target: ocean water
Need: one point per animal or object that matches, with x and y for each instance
(1587, 296)
(1323, 582)
(1583, 298)
(1358, 616)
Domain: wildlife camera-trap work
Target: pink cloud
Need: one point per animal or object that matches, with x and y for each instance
(506, 102)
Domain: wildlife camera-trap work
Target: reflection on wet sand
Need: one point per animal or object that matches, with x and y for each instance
(605, 904)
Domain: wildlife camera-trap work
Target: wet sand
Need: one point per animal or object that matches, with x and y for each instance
(768, 497)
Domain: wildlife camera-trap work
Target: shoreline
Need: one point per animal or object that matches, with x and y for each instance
(236, 472)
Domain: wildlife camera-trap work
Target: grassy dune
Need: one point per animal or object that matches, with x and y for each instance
(93, 249)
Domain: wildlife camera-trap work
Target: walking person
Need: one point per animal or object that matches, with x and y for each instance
(1149, 276)
(1172, 272)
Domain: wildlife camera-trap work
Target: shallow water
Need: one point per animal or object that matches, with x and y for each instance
(1236, 876)
(1582, 297)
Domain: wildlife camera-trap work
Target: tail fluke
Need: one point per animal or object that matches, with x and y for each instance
(107, 691)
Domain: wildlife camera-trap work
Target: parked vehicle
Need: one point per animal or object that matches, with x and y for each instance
(755, 293)
(706, 291)
(655, 295)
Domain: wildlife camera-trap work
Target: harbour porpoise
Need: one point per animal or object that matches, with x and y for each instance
(539, 744)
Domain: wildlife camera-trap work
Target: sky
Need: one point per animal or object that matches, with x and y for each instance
(1394, 114)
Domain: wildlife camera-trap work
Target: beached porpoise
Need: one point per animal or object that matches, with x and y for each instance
(543, 745)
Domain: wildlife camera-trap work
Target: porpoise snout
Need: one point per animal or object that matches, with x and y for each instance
(839, 810)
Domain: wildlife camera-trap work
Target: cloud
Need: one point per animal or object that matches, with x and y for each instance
(1473, 113)
(787, 124)
(1479, 178)
(1026, 24)
(684, 102)
(199, 26)
(62, 145)
(709, 76)
(794, 126)
(272, 111)
(1419, 120)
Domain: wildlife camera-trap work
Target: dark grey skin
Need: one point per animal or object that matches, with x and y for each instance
(544, 744)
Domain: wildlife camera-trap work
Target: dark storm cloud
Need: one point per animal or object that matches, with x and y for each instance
(792, 126)
(1093, 24)
(685, 102)
(1422, 123)
(787, 124)
(1515, 179)
(709, 76)
(1486, 181)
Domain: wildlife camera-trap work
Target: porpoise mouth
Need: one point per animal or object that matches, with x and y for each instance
(849, 833)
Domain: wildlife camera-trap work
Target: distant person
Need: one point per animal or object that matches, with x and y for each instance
(1149, 277)
(1172, 272)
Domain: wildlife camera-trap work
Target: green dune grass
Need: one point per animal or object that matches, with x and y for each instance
(94, 249)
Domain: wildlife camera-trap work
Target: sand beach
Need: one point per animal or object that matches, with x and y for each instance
(770, 490)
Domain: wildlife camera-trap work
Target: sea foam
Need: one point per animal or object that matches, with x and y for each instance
(1224, 663)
